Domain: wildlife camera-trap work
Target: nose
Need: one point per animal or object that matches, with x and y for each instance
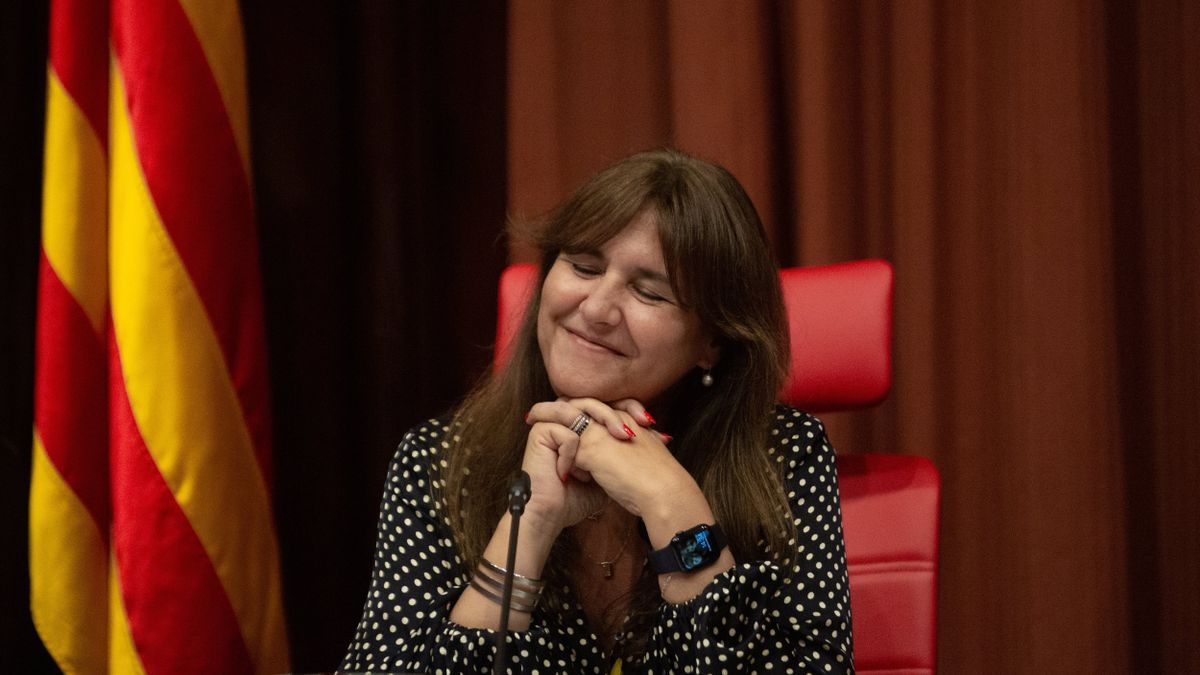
(601, 306)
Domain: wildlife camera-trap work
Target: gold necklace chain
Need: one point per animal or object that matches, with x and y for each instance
(606, 565)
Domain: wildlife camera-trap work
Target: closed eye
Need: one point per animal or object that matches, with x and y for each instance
(649, 295)
(584, 270)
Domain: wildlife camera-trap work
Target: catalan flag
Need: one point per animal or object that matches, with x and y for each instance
(152, 547)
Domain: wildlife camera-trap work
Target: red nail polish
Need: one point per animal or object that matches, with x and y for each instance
(565, 476)
(628, 431)
(667, 438)
(527, 418)
(649, 418)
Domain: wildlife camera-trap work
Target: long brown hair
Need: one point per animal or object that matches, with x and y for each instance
(720, 267)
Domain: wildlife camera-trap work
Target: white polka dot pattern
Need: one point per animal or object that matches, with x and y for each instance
(757, 617)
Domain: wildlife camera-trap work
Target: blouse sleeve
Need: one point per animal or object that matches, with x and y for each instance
(417, 578)
(761, 615)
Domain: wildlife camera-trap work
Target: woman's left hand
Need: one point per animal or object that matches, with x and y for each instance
(626, 458)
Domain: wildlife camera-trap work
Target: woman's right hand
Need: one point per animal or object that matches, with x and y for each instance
(556, 502)
(573, 496)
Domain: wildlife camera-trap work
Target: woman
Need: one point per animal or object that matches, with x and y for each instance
(680, 520)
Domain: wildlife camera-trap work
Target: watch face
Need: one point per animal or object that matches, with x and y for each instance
(695, 549)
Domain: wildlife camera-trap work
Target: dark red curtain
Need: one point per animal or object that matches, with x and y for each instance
(1030, 168)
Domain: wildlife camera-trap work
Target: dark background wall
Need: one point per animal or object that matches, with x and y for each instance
(23, 38)
(378, 135)
(379, 170)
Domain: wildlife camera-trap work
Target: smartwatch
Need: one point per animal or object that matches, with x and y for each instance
(689, 550)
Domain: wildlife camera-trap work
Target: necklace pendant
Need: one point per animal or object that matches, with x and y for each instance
(607, 566)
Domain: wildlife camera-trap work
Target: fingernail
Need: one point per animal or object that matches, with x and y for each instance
(628, 431)
(649, 417)
(667, 438)
(527, 418)
(565, 476)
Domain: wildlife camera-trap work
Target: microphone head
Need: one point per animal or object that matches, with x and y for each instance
(519, 492)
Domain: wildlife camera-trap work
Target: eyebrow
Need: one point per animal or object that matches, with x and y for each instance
(652, 275)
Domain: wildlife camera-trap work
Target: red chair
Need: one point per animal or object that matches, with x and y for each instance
(840, 321)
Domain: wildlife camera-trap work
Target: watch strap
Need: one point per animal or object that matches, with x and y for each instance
(663, 561)
(716, 535)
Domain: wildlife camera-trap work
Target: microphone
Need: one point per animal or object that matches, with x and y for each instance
(519, 493)
(518, 496)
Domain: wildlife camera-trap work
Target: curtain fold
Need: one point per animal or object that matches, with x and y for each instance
(991, 152)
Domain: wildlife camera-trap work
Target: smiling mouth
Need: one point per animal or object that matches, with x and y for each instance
(591, 344)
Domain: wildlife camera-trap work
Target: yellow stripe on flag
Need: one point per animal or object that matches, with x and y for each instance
(123, 654)
(68, 574)
(74, 210)
(184, 403)
(218, 27)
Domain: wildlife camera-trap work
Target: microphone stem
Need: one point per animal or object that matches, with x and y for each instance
(516, 506)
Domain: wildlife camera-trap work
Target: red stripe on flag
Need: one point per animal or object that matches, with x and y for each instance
(179, 615)
(79, 54)
(70, 394)
(188, 155)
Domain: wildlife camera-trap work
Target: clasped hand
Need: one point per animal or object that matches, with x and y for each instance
(619, 456)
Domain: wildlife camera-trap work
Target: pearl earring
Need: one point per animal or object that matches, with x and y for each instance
(706, 379)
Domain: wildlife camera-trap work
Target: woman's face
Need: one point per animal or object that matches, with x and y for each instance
(609, 326)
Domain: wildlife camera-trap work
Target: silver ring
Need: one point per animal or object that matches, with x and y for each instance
(580, 424)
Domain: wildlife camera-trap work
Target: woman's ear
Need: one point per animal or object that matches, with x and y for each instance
(710, 354)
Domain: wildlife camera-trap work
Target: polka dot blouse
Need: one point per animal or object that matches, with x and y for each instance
(757, 617)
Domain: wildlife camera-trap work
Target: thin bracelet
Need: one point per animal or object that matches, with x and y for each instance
(534, 583)
(499, 600)
(518, 594)
(665, 585)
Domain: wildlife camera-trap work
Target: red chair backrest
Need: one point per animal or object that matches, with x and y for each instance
(890, 507)
(840, 323)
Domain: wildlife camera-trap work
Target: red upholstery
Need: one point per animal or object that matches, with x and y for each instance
(516, 287)
(890, 517)
(839, 319)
